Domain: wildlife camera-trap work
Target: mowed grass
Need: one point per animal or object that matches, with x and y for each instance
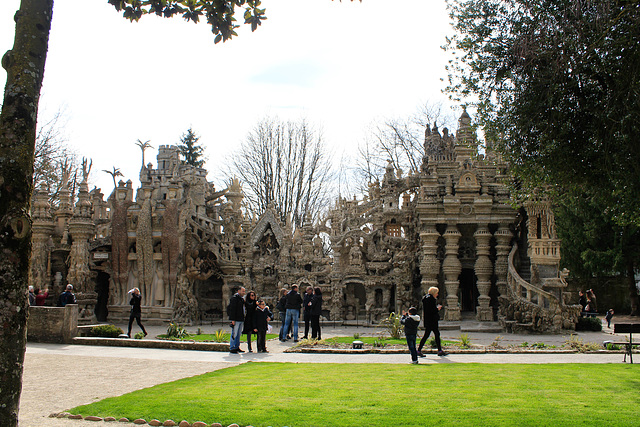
(286, 394)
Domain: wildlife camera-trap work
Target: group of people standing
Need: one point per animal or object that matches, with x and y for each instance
(289, 307)
(37, 297)
(431, 316)
(588, 301)
(248, 315)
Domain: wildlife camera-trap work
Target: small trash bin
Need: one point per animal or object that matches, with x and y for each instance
(357, 345)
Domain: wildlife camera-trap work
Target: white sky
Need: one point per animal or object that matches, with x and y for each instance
(342, 66)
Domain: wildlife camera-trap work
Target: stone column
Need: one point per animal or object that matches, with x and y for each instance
(430, 265)
(42, 230)
(483, 270)
(82, 230)
(503, 240)
(452, 268)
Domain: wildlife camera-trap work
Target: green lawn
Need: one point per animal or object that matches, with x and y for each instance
(285, 394)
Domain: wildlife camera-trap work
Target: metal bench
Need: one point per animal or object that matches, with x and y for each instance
(627, 328)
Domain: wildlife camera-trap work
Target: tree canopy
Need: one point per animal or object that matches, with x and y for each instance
(556, 84)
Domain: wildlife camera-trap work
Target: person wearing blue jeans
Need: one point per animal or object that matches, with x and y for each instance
(236, 312)
(294, 303)
(411, 321)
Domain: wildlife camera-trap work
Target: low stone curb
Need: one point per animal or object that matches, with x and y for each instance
(139, 421)
(450, 351)
(166, 344)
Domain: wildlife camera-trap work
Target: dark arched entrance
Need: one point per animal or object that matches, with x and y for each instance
(102, 289)
(468, 290)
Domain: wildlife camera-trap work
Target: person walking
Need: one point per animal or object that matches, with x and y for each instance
(261, 320)
(431, 315)
(316, 311)
(294, 302)
(236, 313)
(411, 321)
(136, 310)
(306, 304)
(282, 311)
(250, 303)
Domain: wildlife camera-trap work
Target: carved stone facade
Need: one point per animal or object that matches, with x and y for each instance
(187, 245)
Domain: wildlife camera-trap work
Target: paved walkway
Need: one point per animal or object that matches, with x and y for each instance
(58, 377)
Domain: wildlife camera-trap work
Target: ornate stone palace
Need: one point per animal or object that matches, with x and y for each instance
(186, 245)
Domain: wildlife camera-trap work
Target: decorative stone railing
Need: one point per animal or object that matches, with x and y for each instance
(544, 251)
(525, 290)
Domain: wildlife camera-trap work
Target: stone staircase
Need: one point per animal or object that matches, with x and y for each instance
(529, 308)
(150, 315)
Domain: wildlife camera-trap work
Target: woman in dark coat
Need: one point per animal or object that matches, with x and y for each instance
(316, 311)
(431, 316)
(250, 304)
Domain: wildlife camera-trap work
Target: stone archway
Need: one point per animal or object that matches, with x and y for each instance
(355, 298)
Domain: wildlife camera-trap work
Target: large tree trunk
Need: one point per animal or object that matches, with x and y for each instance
(25, 69)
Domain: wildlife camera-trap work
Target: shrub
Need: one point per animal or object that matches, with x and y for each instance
(393, 326)
(219, 336)
(589, 324)
(465, 341)
(577, 344)
(176, 331)
(139, 336)
(379, 343)
(431, 342)
(612, 346)
(496, 342)
(356, 336)
(107, 331)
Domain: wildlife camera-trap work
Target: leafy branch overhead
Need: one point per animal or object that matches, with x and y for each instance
(218, 13)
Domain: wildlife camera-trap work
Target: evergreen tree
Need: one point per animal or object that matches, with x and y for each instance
(190, 150)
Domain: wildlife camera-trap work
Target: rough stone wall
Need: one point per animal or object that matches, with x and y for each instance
(52, 324)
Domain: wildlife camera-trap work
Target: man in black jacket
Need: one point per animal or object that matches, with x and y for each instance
(236, 314)
(294, 302)
(67, 297)
(308, 296)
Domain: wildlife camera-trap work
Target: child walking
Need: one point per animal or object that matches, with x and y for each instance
(411, 321)
(261, 320)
